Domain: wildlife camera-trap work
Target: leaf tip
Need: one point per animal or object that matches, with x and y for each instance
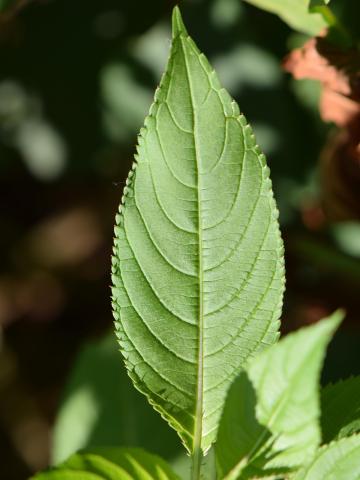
(331, 323)
(337, 317)
(178, 26)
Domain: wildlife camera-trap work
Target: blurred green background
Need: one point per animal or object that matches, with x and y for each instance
(76, 80)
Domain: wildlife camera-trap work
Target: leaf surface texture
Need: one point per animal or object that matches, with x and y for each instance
(198, 260)
(339, 460)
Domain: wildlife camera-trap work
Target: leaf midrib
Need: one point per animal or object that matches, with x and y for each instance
(200, 371)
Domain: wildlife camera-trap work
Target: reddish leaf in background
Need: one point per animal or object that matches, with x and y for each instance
(338, 70)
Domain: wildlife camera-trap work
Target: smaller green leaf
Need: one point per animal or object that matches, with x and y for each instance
(111, 464)
(339, 460)
(270, 420)
(340, 409)
(295, 13)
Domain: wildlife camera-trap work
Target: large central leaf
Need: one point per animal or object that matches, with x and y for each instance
(197, 267)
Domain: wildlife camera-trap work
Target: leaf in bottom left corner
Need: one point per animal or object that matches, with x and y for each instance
(111, 464)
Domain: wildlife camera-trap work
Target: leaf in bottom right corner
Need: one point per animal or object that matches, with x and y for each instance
(340, 409)
(270, 423)
(340, 460)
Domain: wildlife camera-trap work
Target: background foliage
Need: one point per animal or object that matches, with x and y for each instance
(76, 81)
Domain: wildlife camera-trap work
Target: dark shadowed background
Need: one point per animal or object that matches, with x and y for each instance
(76, 80)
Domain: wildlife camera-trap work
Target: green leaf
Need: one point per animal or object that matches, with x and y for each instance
(340, 409)
(111, 464)
(295, 13)
(338, 461)
(100, 407)
(270, 420)
(198, 272)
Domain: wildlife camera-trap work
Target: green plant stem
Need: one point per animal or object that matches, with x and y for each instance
(341, 34)
(197, 457)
